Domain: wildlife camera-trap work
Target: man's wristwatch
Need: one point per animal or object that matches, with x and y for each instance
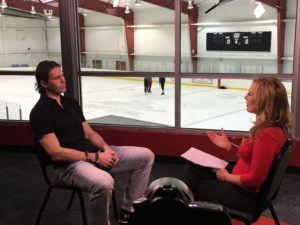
(97, 157)
(87, 157)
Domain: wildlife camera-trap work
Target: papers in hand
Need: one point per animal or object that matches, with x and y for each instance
(204, 159)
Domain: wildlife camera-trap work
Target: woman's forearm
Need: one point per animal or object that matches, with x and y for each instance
(235, 179)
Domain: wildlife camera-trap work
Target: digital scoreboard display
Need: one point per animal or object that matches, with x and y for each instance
(239, 41)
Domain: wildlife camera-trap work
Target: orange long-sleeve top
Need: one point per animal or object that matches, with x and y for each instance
(256, 157)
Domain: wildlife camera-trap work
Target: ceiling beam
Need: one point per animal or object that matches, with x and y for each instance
(275, 3)
(169, 4)
(193, 31)
(103, 7)
(128, 22)
(26, 6)
(107, 8)
(281, 16)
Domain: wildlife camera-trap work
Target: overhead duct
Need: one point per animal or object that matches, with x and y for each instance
(14, 12)
(221, 2)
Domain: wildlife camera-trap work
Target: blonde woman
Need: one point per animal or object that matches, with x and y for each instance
(238, 187)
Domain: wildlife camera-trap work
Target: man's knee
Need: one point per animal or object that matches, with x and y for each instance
(105, 183)
(148, 156)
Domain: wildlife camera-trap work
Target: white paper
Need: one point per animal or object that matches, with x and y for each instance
(204, 159)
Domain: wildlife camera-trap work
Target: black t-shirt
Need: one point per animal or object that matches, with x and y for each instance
(47, 116)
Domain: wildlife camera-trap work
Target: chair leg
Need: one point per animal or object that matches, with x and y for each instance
(71, 200)
(38, 219)
(276, 220)
(82, 205)
(114, 201)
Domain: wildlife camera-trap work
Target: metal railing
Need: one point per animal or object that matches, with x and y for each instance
(10, 111)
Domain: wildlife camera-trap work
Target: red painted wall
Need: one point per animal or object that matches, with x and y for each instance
(161, 142)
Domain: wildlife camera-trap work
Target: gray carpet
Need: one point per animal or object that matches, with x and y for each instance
(22, 190)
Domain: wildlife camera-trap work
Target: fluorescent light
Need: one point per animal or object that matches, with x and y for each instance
(259, 10)
(45, 1)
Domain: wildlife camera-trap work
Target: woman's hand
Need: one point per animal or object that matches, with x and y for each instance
(224, 175)
(219, 140)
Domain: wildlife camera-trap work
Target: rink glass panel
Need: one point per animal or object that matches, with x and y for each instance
(222, 42)
(123, 101)
(17, 97)
(26, 39)
(112, 42)
(205, 106)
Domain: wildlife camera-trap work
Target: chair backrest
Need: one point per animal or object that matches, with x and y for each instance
(45, 161)
(275, 177)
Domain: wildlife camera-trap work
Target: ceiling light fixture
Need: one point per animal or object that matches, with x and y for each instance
(259, 10)
(126, 3)
(84, 12)
(127, 9)
(190, 4)
(115, 3)
(48, 13)
(221, 2)
(3, 4)
(32, 11)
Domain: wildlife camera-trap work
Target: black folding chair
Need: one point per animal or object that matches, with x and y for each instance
(269, 189)
(45, 162)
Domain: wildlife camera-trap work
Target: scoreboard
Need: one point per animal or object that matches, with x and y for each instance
(239, 41)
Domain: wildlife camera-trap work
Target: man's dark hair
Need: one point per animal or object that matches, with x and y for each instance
(42, 73)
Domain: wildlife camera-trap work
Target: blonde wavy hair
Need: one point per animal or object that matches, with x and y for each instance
(272, 106)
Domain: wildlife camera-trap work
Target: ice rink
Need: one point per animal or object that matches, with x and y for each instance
(123, 101)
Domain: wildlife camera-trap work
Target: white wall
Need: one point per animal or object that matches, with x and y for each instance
(154, 45)
(104, 33)
(27, 41)
(53, 36)
(240, 10)
(105, 41)
(155, 36)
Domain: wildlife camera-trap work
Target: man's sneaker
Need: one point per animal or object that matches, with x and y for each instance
(124, 216)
